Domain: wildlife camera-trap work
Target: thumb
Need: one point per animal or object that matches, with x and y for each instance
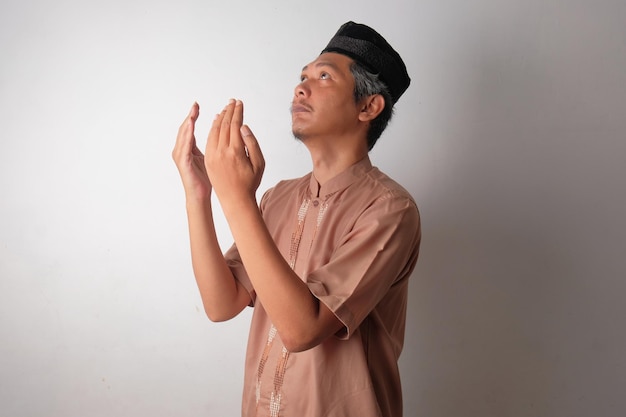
(254, 150)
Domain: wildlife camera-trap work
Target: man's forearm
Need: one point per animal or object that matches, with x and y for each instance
(301, 320)
(222, 295)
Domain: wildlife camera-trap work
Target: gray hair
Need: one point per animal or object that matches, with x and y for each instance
(367, 84)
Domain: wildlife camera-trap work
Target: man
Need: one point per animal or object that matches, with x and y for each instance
(324, 259)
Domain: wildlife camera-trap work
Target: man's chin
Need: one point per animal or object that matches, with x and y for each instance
(297, 133)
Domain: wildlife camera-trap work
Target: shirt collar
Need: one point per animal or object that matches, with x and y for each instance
(340, 181)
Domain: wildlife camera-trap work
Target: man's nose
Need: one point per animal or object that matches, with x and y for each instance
(302, 89)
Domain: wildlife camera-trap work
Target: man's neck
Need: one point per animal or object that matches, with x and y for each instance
(328, 163)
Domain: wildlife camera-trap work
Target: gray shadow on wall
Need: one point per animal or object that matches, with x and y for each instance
(514, 304)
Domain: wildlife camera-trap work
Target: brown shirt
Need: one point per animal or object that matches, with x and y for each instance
(355, 242)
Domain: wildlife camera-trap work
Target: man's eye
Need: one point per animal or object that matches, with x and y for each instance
(302, 78)
(324, 76)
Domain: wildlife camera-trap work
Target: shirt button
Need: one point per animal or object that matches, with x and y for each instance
(316, 203)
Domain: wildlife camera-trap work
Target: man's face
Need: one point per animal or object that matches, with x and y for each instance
(323, 103)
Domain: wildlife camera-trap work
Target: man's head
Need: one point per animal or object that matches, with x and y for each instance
(377, 69)
(360, 59)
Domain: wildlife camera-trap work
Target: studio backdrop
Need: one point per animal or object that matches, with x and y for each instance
(511, 138)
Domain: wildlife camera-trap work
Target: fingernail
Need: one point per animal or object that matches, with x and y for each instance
(245, 130)
(238, 103)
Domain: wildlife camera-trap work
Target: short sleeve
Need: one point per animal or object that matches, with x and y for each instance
(375, 256)
(233, 260)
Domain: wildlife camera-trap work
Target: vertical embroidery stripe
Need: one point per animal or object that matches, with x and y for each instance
(263, 361)
(279, 379)
(297, 234)
(320, 217)
(279, 374)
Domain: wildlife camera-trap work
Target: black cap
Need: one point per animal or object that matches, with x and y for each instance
(370, 49)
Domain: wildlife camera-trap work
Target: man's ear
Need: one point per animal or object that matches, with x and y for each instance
(371, 106)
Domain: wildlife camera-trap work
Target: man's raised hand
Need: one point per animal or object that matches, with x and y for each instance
(233, 159)
(189, 160)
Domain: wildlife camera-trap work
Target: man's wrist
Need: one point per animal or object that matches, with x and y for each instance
(194, 201)
(235, 205)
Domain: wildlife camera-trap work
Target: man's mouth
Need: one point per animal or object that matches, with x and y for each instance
(300, 108)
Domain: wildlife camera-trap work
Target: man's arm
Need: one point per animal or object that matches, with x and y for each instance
(222, 295)
(235, 166)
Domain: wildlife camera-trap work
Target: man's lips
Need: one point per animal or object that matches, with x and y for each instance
(300, 108)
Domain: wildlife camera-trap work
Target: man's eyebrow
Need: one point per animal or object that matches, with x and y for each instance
(323, 64)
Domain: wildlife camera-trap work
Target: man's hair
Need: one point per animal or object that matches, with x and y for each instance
(366, 84)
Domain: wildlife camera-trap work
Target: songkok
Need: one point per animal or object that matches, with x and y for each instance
(371, 50)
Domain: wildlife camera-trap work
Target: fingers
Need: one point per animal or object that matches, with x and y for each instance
(194, 111)
(214, 133)
(220, 129)
(235, 127)
(225, 130)
(230, 125)
(254, 150)
(227, 115)
(185, 141)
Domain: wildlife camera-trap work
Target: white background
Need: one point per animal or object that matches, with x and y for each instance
(512, 138)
